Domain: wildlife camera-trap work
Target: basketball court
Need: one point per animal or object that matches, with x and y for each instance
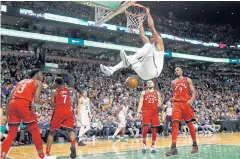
(212, 146)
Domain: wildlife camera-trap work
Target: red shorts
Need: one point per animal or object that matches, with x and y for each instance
(62, 118)
(150, 118)
(21, 110)
(182, 111)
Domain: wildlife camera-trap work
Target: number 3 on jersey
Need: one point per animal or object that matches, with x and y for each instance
(22, 87)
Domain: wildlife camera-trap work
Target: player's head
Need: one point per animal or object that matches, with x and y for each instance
(152, 39)
(178, 71)
(150, 84)
(84, 93)
(36, 74)
(58, 82)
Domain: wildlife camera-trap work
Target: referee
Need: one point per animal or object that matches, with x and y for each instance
(167, 117)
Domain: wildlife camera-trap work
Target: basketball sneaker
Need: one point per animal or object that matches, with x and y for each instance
(123, 139)
(152, 150)
(194, 149)
(144, 148)
(73, 153)
(173, 151)
(81, 143)
(106, 70)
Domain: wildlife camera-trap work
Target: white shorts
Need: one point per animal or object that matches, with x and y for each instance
(84, 120)
(150, 66)
(122, 120)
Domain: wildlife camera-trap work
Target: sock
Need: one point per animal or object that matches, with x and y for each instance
(48, 151)
(175, 126)
(73, 141)
(41, 155)
(119, 66)
(145, 130)
(116, 132)
(192, 132)
(7, 142)
(154, 136)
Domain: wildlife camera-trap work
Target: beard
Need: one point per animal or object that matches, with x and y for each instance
(150, 87)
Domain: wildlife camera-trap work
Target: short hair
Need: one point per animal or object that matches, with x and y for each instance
(34, 72)
(84, 91)
(59, 81)
(179, 67)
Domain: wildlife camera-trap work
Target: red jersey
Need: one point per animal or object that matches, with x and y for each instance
(150, 101)
(181, 90)
(25, 89)
(62, 99)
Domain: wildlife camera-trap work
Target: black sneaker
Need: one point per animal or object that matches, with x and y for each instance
(81, 144)
(73, 153)
(173, 151)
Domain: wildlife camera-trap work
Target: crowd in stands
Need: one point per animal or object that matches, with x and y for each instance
(216, 100)
(219, 33)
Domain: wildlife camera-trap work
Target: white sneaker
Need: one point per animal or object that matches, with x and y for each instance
(152, 150)
(106, 70)
(144, 148)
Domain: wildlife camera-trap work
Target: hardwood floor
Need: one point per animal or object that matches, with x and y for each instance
(29, 152)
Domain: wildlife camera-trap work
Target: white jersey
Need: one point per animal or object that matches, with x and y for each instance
(151, 65)
(124, 111)
(122, 117)
(85, 106)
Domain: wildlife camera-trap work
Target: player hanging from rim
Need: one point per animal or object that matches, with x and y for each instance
(62, 115)
(148, 61)
(121, 113)
(184, 94)
(149, 102)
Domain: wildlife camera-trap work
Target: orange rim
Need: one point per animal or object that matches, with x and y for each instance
(137, 5)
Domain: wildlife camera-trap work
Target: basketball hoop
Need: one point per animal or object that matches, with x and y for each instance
(135, 14)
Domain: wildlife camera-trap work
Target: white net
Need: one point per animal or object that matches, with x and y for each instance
(135, 14)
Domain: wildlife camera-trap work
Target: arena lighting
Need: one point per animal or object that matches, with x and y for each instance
(85, 43)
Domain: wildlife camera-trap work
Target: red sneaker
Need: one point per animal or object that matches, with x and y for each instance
(194, 149)
(173, 151)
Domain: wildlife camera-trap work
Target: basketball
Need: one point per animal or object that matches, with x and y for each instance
(131, 82)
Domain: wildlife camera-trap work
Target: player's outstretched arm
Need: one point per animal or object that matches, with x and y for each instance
(159, 40)
(193, 91)
(142, 35)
